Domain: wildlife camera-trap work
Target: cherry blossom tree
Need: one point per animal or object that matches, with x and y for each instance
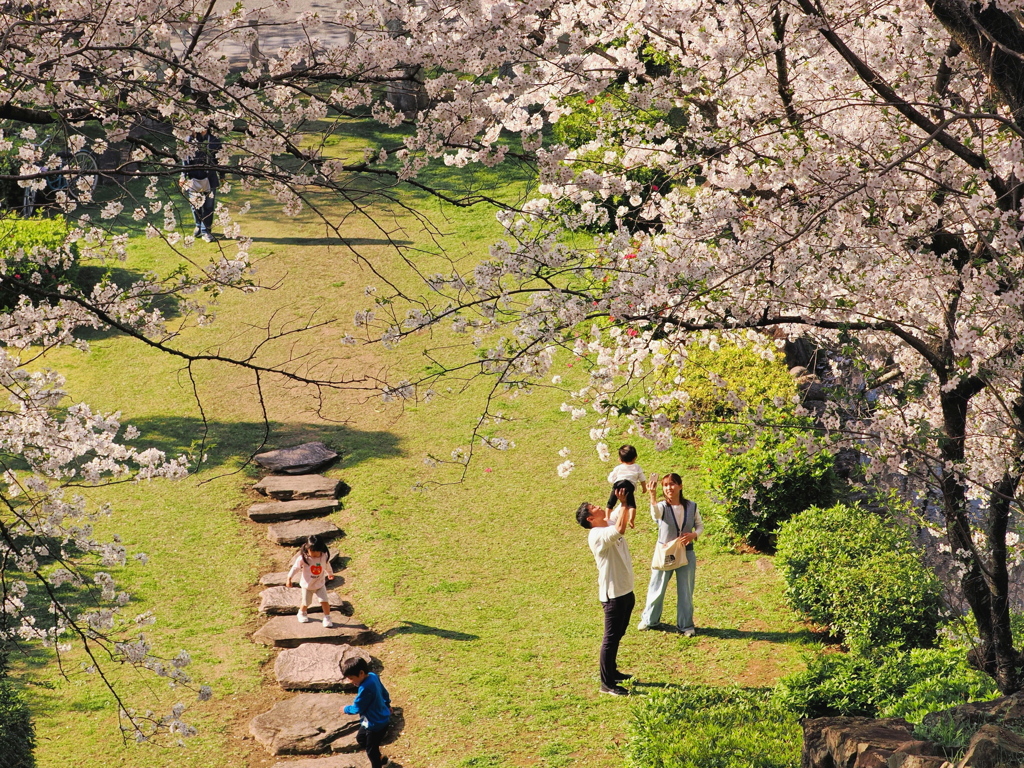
(757, 172)
(133, 81)
(753, 171)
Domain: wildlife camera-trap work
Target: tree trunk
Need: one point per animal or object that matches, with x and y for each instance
(985, 584)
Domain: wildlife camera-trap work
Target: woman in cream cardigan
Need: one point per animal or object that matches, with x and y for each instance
(676, 517)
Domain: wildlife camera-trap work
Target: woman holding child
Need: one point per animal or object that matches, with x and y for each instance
(677, 518)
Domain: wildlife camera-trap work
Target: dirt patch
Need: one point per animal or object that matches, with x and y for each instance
(762, 668)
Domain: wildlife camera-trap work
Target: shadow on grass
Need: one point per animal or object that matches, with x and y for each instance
(395, 728)
(414, 628)
(330, 241)
(225, 443)
(638, 688)
(741, 634)
(89, 277)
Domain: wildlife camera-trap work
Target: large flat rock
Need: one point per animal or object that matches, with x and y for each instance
(287, 632)
(298, 459)
(346, 743)
(284, 601)
(295, 532)
(277, 511)
(354, 760)
(280, 579)
(294, 487)
(305, 724)
(315, 666)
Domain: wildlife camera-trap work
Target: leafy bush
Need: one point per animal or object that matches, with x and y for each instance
(20, 244)
(17, 736)
(704, 726)
(726, 384)
(860, 575)
(886, 682)
(761, 485)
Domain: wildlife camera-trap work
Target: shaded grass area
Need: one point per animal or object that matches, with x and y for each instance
(482, 585)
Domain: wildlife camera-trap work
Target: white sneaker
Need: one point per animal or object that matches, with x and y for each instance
(642, 627)
(303, 618)
(327, 622)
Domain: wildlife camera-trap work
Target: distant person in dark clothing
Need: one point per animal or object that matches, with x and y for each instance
(199, 181)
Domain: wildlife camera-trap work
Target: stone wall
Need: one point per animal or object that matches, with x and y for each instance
(861, 742)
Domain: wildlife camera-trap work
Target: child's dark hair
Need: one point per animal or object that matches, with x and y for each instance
(313, 544)
(629, 488)
(627, 453)
(354, 667)
(583, 515)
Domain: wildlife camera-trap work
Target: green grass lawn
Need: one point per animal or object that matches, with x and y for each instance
(484, 587)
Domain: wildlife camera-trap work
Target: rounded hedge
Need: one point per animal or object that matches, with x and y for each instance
(860, 575)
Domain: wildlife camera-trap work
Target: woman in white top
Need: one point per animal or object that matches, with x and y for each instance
(676, 518)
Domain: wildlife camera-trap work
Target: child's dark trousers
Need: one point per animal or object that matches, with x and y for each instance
(370, 741)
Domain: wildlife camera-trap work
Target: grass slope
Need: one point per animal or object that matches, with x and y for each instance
(485, 587)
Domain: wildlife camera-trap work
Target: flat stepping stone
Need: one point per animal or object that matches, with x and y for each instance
(295, 532)
(295, 487)
(287, 632)
(280, 579)
(284, 601)
(298, 459)
(277, 511)
(306, 724)
(355, 760)
(315, 666)
(347, 743)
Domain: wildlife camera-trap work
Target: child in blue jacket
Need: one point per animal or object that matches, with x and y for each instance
(374, 704)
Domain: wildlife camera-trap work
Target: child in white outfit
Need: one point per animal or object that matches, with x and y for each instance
(627, 469)
(314, 564)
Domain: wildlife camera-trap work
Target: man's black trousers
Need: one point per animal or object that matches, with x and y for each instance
(616, 619)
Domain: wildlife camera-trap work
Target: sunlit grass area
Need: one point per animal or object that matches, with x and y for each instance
(480, 579)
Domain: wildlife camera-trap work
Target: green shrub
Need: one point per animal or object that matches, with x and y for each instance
(20, 242)
(715, 379)
(860, 575)
(17, 736)
(761, 485)
(886, 682)
(704, 726)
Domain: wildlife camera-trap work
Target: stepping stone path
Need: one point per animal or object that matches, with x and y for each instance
(284, 601)
(315, 666)
(306, 724)
(287, 632)
(294, 533)
(280, 579)
(297, 460)
(278, 511)
(311, 655)
(295, 487)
